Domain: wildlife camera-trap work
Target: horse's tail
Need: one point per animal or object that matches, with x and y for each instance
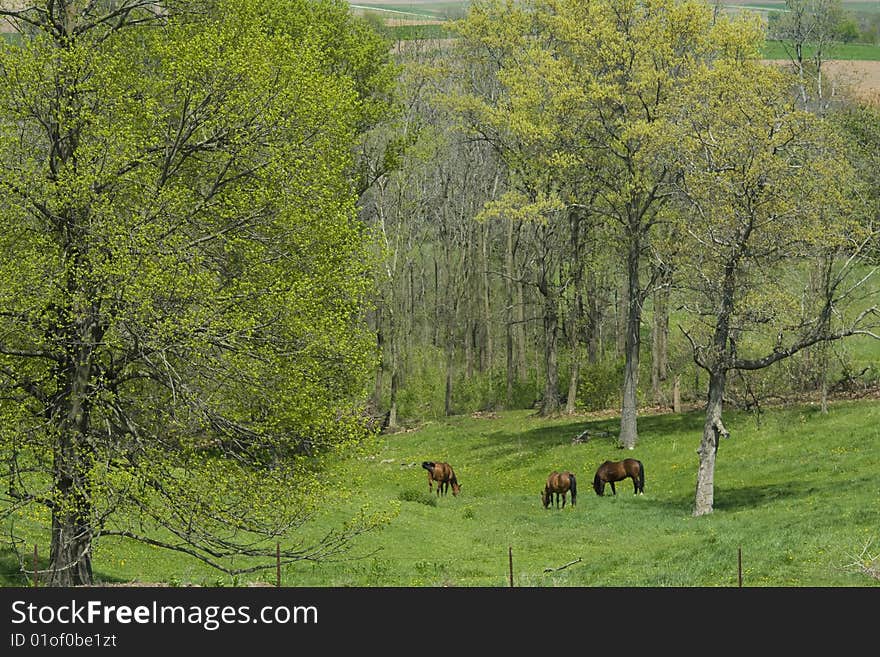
(597, 484)
(574, 488)
(641, 477)
(428, 465)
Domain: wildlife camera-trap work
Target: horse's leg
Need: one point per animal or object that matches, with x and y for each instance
(613, 492)
(635, 485)
(563, 499)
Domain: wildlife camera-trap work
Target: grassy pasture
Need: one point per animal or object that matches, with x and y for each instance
(796, 490)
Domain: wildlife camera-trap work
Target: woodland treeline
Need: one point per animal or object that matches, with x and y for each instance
(546, 223)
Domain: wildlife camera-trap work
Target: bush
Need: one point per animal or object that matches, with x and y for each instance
(599, 386)
(421, 497)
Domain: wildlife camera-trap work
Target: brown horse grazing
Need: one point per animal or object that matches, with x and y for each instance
(443, 474)
(612, 471)
(559, 484)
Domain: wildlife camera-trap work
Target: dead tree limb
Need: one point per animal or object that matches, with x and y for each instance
(570, 563)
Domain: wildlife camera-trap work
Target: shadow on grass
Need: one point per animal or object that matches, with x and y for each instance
(757, 496)
(729, 499)
(11, 570)
(602, 432)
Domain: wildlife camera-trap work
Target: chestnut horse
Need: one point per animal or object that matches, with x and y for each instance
(612, 471)
(443, 474)
(559, 484)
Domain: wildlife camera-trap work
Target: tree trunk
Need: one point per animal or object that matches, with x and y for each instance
(380, 369)
(713, 430)
(594, 320)
(516, 363)
(659, 342)
(629, 407)
(469, 340)
(392, 406)
(487, 348)
(450, 358)
(676, 394)
(576, 312)
(394, 348)
(551, 402)
(574, 374)
(519, 331)
(438, 315)
(70, 550)
(509, 314)
(549, 289)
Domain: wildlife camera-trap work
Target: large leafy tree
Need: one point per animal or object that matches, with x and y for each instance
(182, 271)
(769, 189)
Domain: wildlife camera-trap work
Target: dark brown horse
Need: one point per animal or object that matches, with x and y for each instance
(559, 484)
(612, 471)
(443, 474)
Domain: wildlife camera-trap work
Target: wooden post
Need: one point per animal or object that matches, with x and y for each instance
(510, 561)
(35, 566)
(739, 566)
(278, 564)
(676, 394)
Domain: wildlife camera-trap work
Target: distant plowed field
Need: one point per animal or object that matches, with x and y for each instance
(862, 77)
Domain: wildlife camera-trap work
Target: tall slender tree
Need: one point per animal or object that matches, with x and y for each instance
(767, 188)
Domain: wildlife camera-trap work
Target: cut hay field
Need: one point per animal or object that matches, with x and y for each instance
(796, 491)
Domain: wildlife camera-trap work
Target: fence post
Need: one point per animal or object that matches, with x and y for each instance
(278, 564)
(739, 565)
(510, 560)
(35, 566)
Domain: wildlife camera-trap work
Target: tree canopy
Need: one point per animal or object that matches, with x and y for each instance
(183, 273)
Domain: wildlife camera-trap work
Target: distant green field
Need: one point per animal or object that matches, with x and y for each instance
(444, 7)
(795, 490)
(443, 10)
(429, 9)
(415, 32)
(766, 5)
(844, 51)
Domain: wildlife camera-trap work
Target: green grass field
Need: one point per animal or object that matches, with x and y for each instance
(795, 490)
(862, 7)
